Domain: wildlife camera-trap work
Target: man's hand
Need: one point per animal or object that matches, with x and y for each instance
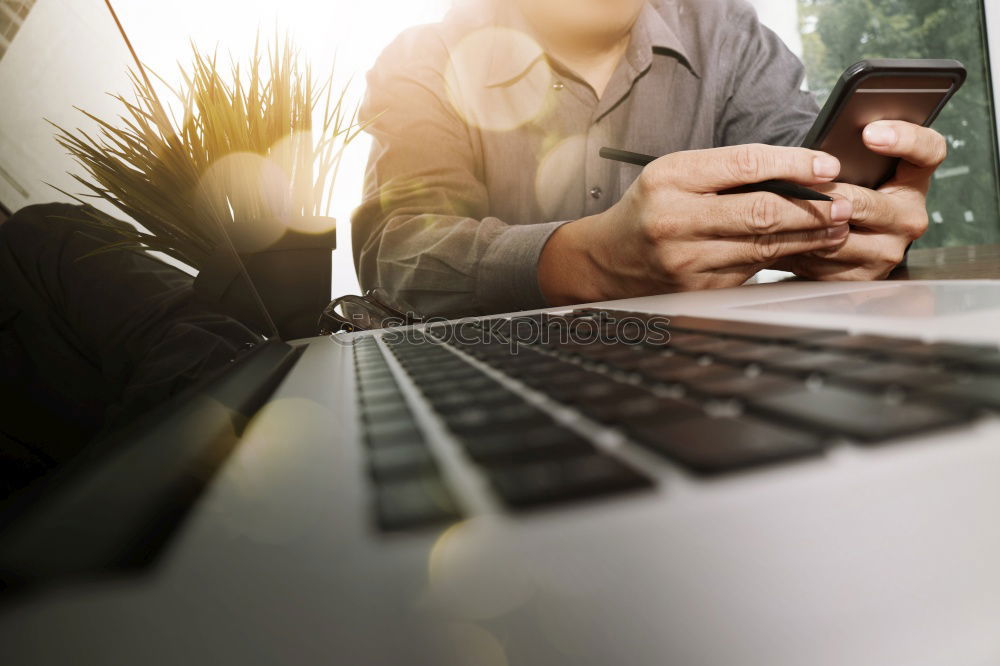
(886, 221)
(672, 231)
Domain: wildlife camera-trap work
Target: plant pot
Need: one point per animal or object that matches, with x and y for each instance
(291, 274)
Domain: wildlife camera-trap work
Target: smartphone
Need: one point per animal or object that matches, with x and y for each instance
(871, 90)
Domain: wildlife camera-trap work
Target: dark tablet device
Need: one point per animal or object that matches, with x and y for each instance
(871, 90)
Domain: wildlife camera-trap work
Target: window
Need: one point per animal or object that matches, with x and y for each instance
(12, 15)
(963, 204)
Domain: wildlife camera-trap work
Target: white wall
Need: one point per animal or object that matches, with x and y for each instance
(65, 54)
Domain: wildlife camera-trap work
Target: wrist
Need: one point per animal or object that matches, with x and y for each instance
(569, 272)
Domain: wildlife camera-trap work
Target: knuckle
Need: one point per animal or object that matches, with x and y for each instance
(763, 217)
(893, 257)
(658, 230)
(916, 224)
(748, 163)
(649, 179)
(766, 248)
(659, 174)
(677, 263)
(864, 206)
(886, 257)
(826, 253)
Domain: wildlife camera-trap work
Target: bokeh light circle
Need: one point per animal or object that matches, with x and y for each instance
(497, 107)
(249, 193)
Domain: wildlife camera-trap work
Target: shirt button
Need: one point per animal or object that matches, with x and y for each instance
(558, 85)
(596, 192)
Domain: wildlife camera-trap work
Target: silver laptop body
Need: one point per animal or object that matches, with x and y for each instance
(859, 555)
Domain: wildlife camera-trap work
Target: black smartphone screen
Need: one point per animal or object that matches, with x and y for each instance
(914, 91)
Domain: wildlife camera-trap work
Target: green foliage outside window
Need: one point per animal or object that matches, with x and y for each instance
(964, 202)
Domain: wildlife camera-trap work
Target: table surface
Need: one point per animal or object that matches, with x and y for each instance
(972, 262)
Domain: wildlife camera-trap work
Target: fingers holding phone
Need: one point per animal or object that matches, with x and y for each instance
(877, 122)
(921, 150)
(878, 115)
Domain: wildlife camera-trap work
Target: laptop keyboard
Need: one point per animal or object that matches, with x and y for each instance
(529, 458)
(717, 396)
(409, 489)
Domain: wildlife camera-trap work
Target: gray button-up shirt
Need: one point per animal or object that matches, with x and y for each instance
(484, 145)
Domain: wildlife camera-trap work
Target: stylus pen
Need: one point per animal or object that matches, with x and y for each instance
(780, 187)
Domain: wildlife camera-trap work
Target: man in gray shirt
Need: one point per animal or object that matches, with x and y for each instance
(485, 192)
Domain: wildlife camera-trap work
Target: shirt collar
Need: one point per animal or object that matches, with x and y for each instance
(652, 32)
(506, 65)
(656, 30)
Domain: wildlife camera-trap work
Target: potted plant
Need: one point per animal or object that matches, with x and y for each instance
(234, 165)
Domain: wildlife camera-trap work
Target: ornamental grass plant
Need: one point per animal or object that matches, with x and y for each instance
(244, 150)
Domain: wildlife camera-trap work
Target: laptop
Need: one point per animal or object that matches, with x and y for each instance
(794, 473)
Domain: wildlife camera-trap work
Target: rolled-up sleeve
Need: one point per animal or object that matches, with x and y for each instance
(763, 100)
(423, 232)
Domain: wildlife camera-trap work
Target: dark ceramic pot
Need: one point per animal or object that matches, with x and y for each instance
(291, 274)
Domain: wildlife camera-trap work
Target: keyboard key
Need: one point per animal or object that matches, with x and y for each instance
(525, 371)
(679, 340)
(983, 362)
(744, 353)
(397, 462)
(473, 385)
(512, 419)
(568, 377)
(645, 407)
(445, 375)
(375, 376)
(480, 382)
(538, 443)
(378, 390)
(528, 486)
(392, 433)
(712, 445)
(693, 371)
(742, 385)
(597, 390)
(810, 362)
(414, 503)
(889, 373)
(968, 390)
(651, 359)
(599, 351)
(983, 358)
(694, 344)
(446, 403)
(966, 350)
(385, 411)
(876, 344)
(627, 354)
(858, 415)
(665, 364)
(380, 395)
(945, 351)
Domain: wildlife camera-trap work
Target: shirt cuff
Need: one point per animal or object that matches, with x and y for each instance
(508, 273)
